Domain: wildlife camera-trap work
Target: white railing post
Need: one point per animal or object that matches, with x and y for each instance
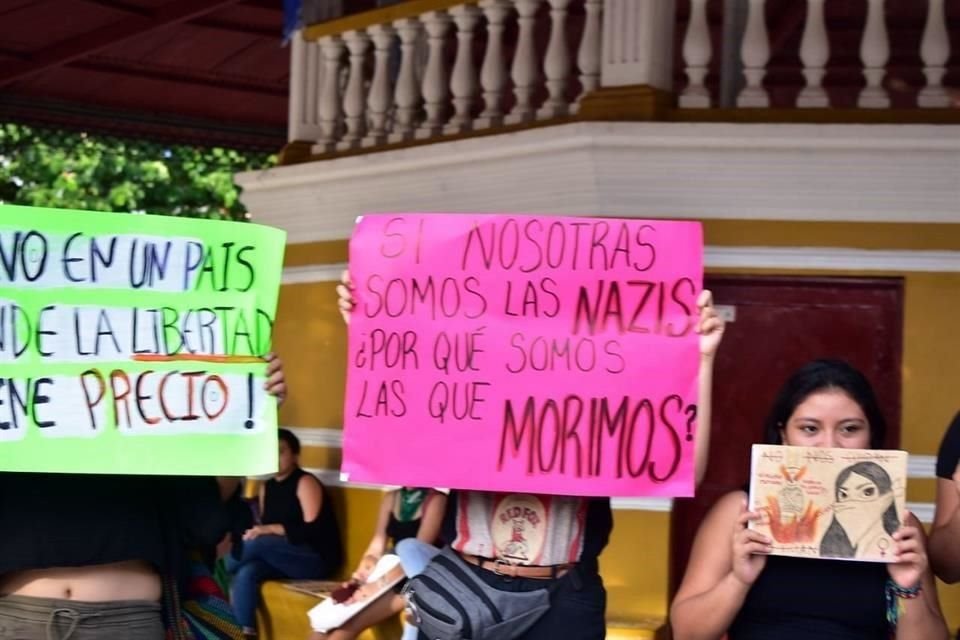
(407, 93)
(380, 97)
(814, 53)
(697, 51)
(874, 52)
(638, 43)
(436, 87)
(353, 99)
(493, 75)
(330, 104)
(463, 81)
(525, 68)
(588, 55)
(305, 76)
(755, 53)
(556, 64)
(935, 51)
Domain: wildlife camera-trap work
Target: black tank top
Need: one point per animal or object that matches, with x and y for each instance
(281, 506)
(799, 599)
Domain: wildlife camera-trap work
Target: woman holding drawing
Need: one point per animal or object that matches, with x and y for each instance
(731, 586)
(82, 555)
(496, 535)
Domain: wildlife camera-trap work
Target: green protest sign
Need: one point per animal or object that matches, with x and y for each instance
(134, 344)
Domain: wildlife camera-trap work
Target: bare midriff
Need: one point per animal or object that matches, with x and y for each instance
(130, 580)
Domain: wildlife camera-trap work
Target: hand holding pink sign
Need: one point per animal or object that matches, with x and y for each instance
(524, 353)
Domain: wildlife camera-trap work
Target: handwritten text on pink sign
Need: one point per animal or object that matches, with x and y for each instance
(523, 353)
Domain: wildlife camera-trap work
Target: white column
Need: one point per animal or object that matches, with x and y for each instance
(874, 52)
(814, 53)
(305, 73)
(556, 65)
(934, 50)
(353, 99)
(436, 88)
(407, 93)
(379, 99)
(525, 68)
(329, 107)
(638, 43)
(755, 53)
(493, 76)
(697, 51)
(588, 55)
(463, 82)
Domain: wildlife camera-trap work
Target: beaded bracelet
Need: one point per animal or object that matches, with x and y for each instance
(895, 593)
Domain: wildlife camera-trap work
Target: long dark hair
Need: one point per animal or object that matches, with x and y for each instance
(822, 375)
(835, 540)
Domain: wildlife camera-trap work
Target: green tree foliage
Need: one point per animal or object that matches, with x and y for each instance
(75, 170)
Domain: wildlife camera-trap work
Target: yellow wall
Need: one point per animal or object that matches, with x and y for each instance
(311, 339)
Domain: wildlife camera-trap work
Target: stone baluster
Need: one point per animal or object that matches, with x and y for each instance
(436, 85)
(814, 53)
(379, 98)
(407, 92)
(557, 63)
(463, 82)
(525, 68)
(755, 53)
(588, 55)
(697, 51)
(493, 76)
(935, 51)
(329, 107)
(874, 52)
(353, 100)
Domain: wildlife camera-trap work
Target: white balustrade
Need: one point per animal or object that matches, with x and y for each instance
(343, 102)
(697, 51)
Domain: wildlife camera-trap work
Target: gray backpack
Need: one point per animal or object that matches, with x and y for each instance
(450, 602)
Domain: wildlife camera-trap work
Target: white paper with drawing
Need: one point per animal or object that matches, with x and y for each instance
(829, 503)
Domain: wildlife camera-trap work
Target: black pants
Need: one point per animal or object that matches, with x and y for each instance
(578, 604)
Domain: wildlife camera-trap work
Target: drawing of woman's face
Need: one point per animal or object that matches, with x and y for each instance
(857, 488)
(828, 418)
(860, 505)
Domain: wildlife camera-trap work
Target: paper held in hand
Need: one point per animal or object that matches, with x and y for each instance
(829, 503)
(329, 615)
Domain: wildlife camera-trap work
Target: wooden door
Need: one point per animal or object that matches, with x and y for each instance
(781, 323)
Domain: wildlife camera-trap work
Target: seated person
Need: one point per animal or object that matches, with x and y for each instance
(410, 518)
(297, 538)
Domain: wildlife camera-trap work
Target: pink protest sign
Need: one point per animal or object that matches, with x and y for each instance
(524, 354)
